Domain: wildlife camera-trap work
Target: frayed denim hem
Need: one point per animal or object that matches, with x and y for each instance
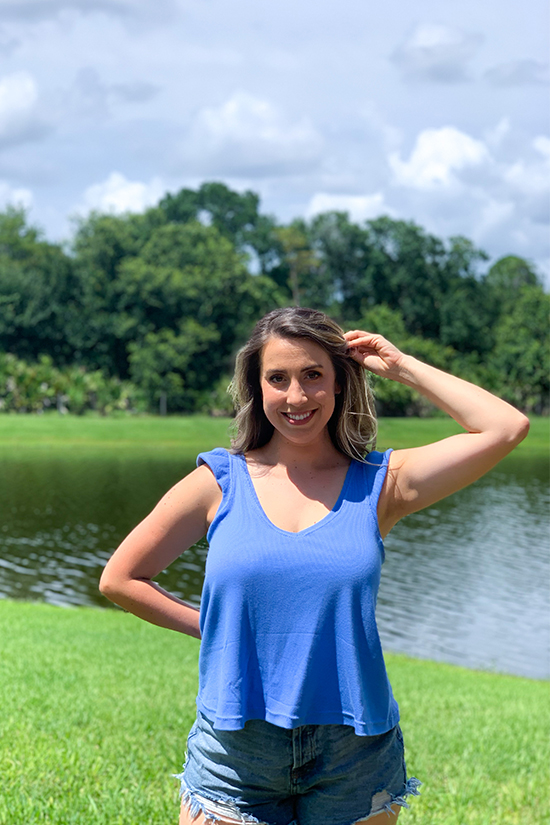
(411, 789)
(197, 804)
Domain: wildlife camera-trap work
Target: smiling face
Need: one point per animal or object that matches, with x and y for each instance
(298, 385)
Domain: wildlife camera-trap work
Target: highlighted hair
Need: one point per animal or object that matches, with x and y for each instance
(352, 426)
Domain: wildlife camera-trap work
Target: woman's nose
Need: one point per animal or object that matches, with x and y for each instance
(295, 394)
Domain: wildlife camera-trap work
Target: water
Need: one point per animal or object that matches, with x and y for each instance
(466, 581)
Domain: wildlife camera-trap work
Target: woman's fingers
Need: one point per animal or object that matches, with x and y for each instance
(354, 336)
(363, 341)
(373, 351)
(359, 339)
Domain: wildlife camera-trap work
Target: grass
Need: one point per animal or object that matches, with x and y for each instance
(96, 706)
(184, 433)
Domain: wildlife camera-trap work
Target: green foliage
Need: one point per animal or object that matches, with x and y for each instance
(235, 215)
(344, 251)
(36, 291)
(169, 312)
(164, 299)
(520, 363)
(37, 387)
(406, 270)
(165, 361)
(302, 263)
(506, 278)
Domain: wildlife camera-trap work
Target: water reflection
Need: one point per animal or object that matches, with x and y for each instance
(465, 581)
(476, 571)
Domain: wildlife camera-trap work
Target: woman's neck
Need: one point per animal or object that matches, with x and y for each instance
(316, 455)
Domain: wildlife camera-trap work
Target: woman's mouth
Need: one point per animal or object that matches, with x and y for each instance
(299, 418)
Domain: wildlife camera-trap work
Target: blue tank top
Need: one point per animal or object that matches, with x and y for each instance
(288, 619)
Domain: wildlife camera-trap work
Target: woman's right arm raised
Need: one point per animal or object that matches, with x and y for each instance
(179, 520)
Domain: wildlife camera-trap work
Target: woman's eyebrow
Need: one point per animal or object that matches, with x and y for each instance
(272, 370)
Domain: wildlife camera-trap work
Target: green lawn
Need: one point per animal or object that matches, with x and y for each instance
(186, 432)
(96, 706)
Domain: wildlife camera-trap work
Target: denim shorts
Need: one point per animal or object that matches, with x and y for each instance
(309, 775)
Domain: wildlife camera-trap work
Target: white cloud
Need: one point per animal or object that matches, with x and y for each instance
(494, 137)
(247, 135)
(117, 195)
(437, 52)
(518, 73)
(437, 155)
(532, 177)
(542, 145)
(359, 207)
(18, 98)
(12, 196)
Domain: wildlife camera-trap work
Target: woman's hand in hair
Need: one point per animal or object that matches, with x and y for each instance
(375, 353)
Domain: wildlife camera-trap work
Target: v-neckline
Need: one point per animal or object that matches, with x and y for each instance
(326, 518)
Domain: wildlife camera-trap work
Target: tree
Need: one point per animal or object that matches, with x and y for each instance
(506, 278)
(173, 364)
(302, 262)
(187, 301)
(520, 362)
(235, 215)
(144, 277)
(344, 252)
(37, 291)
(406, 271)
(101, 245)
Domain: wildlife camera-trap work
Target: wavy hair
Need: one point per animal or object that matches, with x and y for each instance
(352, 426)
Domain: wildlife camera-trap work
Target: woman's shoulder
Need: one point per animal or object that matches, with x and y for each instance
(219, 461)
(218, 457)
(380, 455)
(372, 472)
(376, 460)
(216, 454)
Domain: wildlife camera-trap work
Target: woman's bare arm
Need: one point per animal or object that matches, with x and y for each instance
(179, 520)
(421, 476)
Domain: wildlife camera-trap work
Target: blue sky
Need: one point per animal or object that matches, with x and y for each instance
(425, 111)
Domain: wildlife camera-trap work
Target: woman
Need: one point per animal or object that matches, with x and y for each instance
(296, 722)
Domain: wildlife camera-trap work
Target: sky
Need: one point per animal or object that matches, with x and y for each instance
(426, 111)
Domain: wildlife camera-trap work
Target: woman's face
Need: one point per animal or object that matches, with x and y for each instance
(298, 385)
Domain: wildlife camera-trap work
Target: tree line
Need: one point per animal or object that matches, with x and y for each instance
(142, 310)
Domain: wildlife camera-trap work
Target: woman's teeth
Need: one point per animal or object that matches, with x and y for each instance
(301, 417)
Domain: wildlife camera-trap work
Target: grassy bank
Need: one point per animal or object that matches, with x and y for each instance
(187, 434)
(96, 706)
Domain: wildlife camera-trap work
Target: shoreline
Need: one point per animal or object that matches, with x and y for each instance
(189, 433)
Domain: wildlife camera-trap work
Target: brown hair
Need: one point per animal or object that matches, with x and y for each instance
(352, 426)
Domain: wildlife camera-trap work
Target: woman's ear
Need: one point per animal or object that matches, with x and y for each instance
(337, 388)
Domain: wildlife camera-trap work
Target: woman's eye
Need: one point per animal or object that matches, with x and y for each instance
(276, 379)
(313, 375)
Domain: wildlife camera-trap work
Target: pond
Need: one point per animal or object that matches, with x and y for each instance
(465, 581)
